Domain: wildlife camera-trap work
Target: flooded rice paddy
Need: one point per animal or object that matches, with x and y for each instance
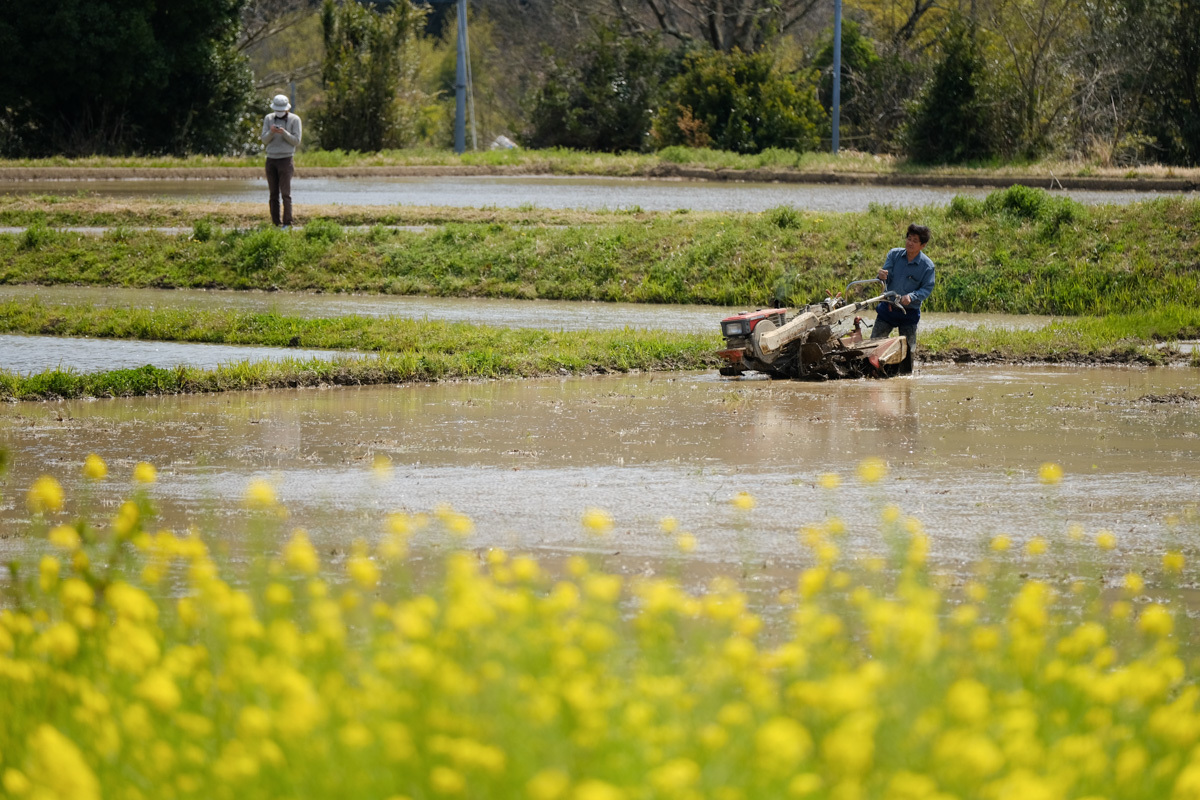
(32, 354)
(25, 354)
(547, 192)
(525, 458)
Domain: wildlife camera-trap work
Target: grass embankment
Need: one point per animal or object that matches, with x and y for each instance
(135, 661)
(1019, 251)
(61, 211)
(409, 351)
(415, 351)
(558, 161)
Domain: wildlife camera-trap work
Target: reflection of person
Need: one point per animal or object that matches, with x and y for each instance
(909, 273)
(281, 135)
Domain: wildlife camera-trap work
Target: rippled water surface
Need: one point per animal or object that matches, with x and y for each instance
(32, 354)
(545, 192)
(525, 459)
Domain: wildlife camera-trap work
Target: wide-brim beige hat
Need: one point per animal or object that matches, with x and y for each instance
(280, 103)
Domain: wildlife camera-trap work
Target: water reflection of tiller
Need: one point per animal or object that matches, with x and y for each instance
(800, 343)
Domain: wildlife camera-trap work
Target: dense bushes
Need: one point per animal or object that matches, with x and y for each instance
(741, 102)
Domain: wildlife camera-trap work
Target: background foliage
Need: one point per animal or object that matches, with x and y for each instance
(1107, 82)
(148, 76)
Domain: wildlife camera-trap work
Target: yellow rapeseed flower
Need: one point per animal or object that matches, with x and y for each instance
(260, 494)
(94, 467)
(872, 470)
(363, 571)
(1075, 532)
(597, 521)
(1134, 582)
(782, 744)
(444, 780)
(548, 784)
(593, 789)
(675, 777)
(278, 594)
(1156, 621)
(1105, 540)
(58, 768)
(60, 641)
(668, 525)
(1036, 546)
(159, 690)
(15, 782)
(64, 537)
(48, 571)
(804, 784)
(144, 472)
(829, 480)
(455, 522)
(686, 542)
(126, 520)
(45, 496)
(381, 466)
(1173, 561)
(1001, 543)
(300, 555)
(967, 700)
(743, 501)
(1050, 473)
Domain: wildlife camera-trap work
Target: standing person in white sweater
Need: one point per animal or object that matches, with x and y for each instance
(281, 135)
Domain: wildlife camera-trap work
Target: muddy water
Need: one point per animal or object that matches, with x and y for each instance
(26, 354)
(546, 192)
(32, 354)
(559, 315)
(525, 459)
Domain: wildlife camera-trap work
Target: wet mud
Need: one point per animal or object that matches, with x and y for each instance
(526, 459)
(1186, 183)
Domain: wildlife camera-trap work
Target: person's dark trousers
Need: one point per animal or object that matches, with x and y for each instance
(279, 182)
(881, 329)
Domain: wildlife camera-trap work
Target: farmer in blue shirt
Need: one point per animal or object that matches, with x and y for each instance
(909, 273)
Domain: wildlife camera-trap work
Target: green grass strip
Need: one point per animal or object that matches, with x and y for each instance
(409, 351)
(422, 350)
(1020, 251)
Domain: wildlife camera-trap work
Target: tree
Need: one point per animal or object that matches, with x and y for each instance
(723, 25)
(1035, 38)
(1175, 96)
(267, 25)
(951, 122)
(606, 102)
(859, 105)
(121, 76)
(364, 71)
(743, 102)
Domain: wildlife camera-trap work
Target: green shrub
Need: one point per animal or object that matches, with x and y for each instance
(965, 208)
(203, 230)
(261, 250)
(1023, 202)
(783, 217)
(743, 103)
(36, 236)
(323, 230)
(120, 233)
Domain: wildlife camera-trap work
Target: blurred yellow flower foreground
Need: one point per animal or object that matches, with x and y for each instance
(133, 666)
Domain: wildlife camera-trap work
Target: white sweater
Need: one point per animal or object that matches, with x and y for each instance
(281, 145)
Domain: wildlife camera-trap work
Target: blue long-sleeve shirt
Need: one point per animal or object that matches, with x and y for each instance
(914, 278)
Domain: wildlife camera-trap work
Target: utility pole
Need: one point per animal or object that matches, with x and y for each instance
(460, 82)
(837, 69)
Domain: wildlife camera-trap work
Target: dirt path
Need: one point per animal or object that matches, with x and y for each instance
(666, 171)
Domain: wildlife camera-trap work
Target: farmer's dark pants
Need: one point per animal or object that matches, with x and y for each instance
(881, 329)
(279, 182)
